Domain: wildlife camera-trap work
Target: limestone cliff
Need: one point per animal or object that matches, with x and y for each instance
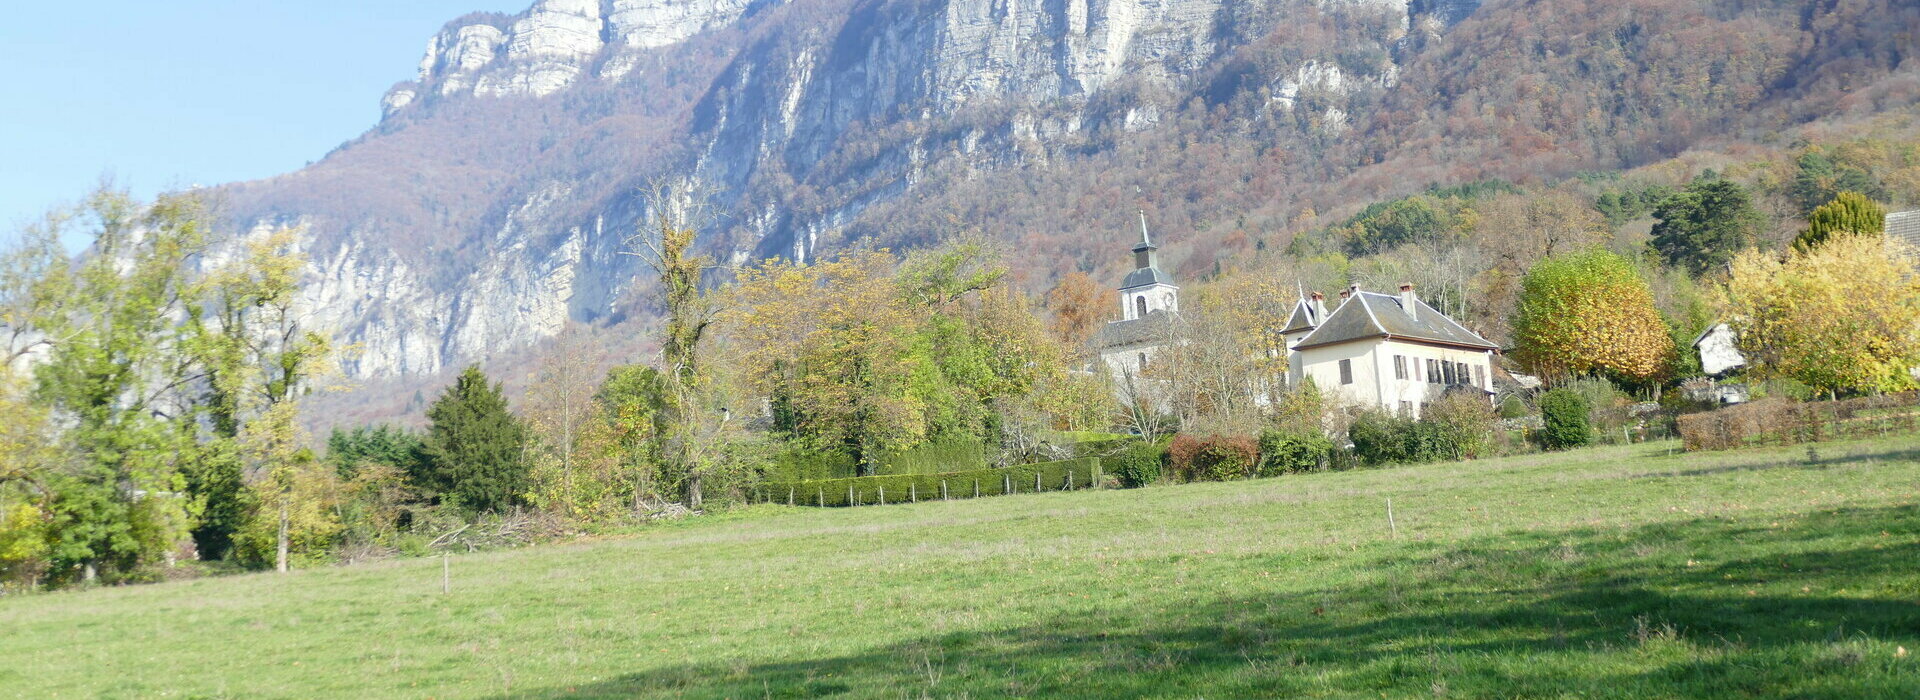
(490, 207)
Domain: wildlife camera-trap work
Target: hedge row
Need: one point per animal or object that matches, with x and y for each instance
(901, 488)
(1784, 422)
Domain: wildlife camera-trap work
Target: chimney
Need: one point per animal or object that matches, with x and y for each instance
(1408, 301)
(1319, 308)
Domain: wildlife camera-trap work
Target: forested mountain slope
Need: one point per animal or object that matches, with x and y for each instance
(488, 209)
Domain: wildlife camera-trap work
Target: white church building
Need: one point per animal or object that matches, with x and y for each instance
(1393, 351)
(1149, 302)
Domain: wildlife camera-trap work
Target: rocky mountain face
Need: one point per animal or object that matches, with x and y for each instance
(491, 206)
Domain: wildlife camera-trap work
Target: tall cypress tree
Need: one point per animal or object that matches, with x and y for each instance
(475, 448)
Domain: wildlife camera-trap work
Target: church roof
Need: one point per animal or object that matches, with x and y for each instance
(1146, 277)
(1155, 327)
(1367, 315)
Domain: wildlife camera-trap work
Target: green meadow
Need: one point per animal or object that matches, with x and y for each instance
(1621, 572)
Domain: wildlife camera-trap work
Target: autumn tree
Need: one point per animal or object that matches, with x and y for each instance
(1704, 224)
(255, 350)
(1850, 213)
(576, 455)
(692, 417)
(295, 496)
(1590, 312)
(1839, 317)
(1080, 307)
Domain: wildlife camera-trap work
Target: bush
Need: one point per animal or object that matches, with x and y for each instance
(1136, 464)
(1383, 438)
(1564, 412)
(1513, 407)
(1212, 458)
(1287, 451)
(1783, 422)
(1460, 424)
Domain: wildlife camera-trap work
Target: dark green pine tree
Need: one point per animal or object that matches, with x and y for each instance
(475, 449)
(1703, 225)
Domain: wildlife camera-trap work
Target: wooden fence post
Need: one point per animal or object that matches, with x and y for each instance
(913, 492)
(1006, 484)
(976, 488)
(1390, 524)
(823, 495)
(1069, 479)
(943, 490)
(883, 494)
(790, 495)
(1036, 481)
(850, 502)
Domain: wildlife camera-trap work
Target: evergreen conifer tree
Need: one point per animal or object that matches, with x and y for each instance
(475, 448)
(1848, 213)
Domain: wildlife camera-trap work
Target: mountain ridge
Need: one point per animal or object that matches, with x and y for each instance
(488, 209)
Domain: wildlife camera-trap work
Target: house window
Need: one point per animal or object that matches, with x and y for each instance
(1143, 362)
(1406, 408)
(1346, 371)
(1446, 369)
(1140, 306)
(1433, 371)
(1480, 376)
(1399, 367)
(1462, 373)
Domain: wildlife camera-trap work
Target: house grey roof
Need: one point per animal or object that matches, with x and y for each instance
(1300, 320)
(1904, 226)
(1146, 276)
(1155, 327)
(1368, 315)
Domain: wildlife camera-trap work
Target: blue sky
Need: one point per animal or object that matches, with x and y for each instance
(162, 95)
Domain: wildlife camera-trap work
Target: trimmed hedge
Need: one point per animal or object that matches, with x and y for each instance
(1783, 422)
(901, 488)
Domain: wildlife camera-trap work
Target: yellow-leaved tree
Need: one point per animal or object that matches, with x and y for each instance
(1590, 312)
(1843, 316)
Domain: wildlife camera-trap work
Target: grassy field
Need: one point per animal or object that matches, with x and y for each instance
(1616, 572)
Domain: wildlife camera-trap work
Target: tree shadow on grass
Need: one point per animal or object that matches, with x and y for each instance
(1589, 613)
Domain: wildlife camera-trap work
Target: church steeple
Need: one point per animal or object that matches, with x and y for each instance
(1143, 254)
(1147, 288)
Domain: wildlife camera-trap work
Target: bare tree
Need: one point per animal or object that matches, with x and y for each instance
(693, 422)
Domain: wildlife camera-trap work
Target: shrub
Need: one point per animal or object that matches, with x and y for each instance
(1564, 412)
(1212, 458)
(1513, 407)
(1459, 424)
(1383, 438)
(1285, 451)
(1136, 464)
(1783, 422)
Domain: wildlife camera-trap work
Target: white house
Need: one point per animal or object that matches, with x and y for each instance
(1395, 352)
(1149, 300)
(1719, 351)
(1386, 350)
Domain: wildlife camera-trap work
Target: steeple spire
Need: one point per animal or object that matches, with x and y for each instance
(1144, 240)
